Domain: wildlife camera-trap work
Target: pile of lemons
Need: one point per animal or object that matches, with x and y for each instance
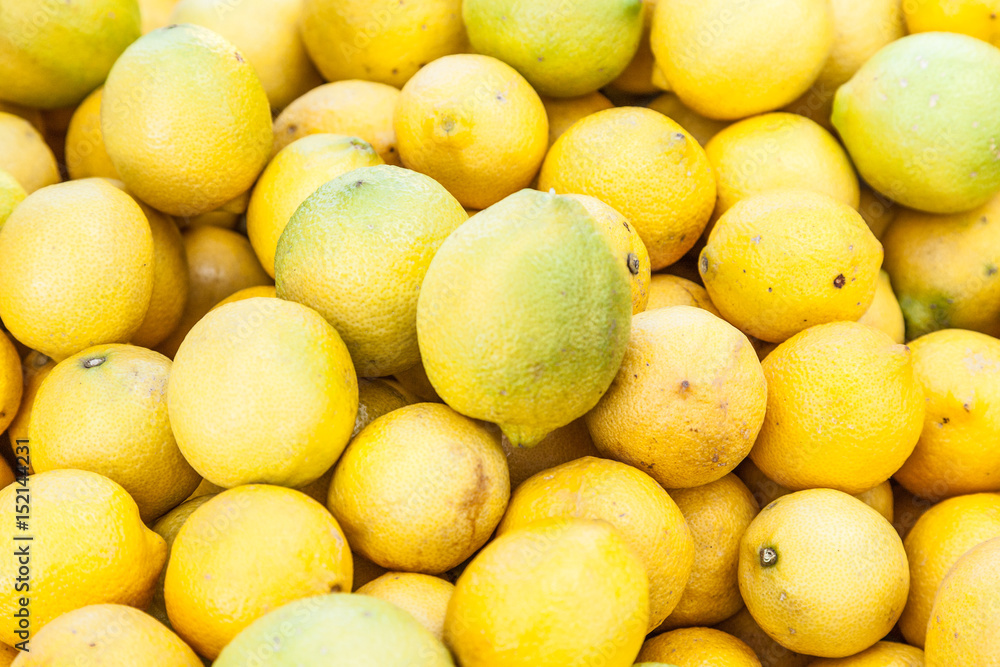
(491, 333)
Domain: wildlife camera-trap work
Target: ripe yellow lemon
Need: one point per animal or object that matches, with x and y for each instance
(171, 282)
(565, 444)
(11, 194)
(420, 489)
(357, 251)
(222, 575)
(105, 410)
(36, 367)
(828, 589)
(86, 156)
(76, 268)
(356, 629)
(424, 596)
(965, 623)
(96, 550)
(504, 611)
(885, 314)
(628, 499)
(24, 154)
(730, 61)
(718, 514)
(380, 40)
(11, 384)
(248, 293)
(698, 647)
(688, 379)
(267, 33)
(167, 527)
(666, 290)
(852, 443)
(473, 124)
(155, 13)
(976, 18)
(562, 112)
(784, 260)
(228, 387)
(291, 176)
(523, 316)
(935, 543)
(645, 166)
(882, 654)
(352, 108)
(107, 634)
(185, 120)
(698, 126)
(771, 653)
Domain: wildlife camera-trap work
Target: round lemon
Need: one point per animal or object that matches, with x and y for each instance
(25, 155)
(11, 384)
(167, 527)
(86, 155)
(424, 596)
(171, 282)
(11, 194)
(699, 646)
(562, 112)
(666, 290)
(698, 126)
(885, 314)
(882, 654)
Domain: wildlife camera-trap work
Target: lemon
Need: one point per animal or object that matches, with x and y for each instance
(76, 267)
(688, 379)
(11, 384)
(351, 108)
(155, 14)
(698, 126)
(424, 596)
(643, 165)
(357, 629)
(228, 388)
(637, 77)
(420, 489)
(414, 380)
(371, 232)
(852, 443)
(823, 573)
(291, 176)
(771, 653)
(523, 316)
(918, 121)
(784, 260)
(666, 290)
(7, 655)
(24, 154)
(36, 367)
(222, 576)
(380, 40)
(167, 527)
(101, 635)
(53, 54)
(957, 370)
(185, 120)
(877, 211)
(96, 549)
(976, 18)
(884, 313)
(473, 124)
(562, 49)
(504, 611)
(11, 194)
(699, 646)
(881, 654)
(248, 293)
(267, 33)
(729, 61)
(563, 112)
(86, 155)
(171, 282)
(946, 269)
(566, 443)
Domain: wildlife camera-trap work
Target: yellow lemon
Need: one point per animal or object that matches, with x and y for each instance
(854, 442)
(420, 489)
(637, 77)
(24, 154)
(292, 175)
(976, 18)
(885, 314)
(424, 596)
(784, 260)
(698, 126)
(562, 112)
(86, 155)
(11, 384)
(698, 647)
(688, 379)
(666, 290)
(11, 194)
(958, 371)
(628, 499)
(473, 124)
(36, 367)
(155, 14)
(105, 635)
(34, 116)
(377, 397)
(76, 267)
(222, 576)
(645, 166)
(907, 509)
(370, 232)
(565, 444)
(882, 654)
(96, 550)
(823, 573)
(504, 612)
(185, 120)
(267, 33)
(878, 211)
(171, 282)
(267, 291)
(730, 61)
(380, 40)
(771, 653)
(228, 388)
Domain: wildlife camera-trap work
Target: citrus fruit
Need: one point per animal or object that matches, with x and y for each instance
(53, 54)
(784, 260)
(414, 380)
(666, 290)
(882, 654)
(473, 124)
(267, 291)
(769, 652)
(628, 499)
(637, 77)
(357, 629)
(96, 550)
(976, 18)
(291, 176)
(228, 387)
(420, 489)
(11, 194)
(917, 120)
(24, 155)
(562, 49)
(877, 210)
(377, 397)
(171, 282)
(222, 576)
(86, 156)
(499, 614)
(688, 399)
(523, 316)
(699, 647)
(197, 95)
(885, 314)
(36, 367)
(646, 167)
(562, 112)
(11, 383)
(424, 596)
(357, 251)
(76, 267)
(566, 443)
(155, 14)
(730, 61)
(907, 509)
(698, 126)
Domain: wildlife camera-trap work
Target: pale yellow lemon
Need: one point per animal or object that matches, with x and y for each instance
(424, 596)
(24, 154)
(85, 152)
(562, 112)
(884, 313)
